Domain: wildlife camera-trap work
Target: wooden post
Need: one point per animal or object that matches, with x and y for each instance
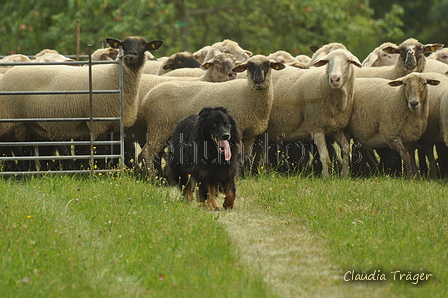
(78, 38)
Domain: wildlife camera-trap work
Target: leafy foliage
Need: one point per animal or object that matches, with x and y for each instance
(260, 26)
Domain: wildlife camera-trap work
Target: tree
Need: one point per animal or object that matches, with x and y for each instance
(185, 25)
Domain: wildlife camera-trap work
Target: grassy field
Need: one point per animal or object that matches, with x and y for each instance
(121, 237)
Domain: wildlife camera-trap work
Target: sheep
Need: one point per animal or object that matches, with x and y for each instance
(380, 58)
(287, 59)
(152, 66)
(441, 55)
(16, 58)
(324, 50)
(412, 59)
(384, 116)
(433, 65)
(53, 78)
(52, 57)
(44, 52)
(219, 69)
(282, 57)
(178, 60)
(315, 103)
(228, 46)
(444, 117)
(201, 53)
(150, 56)
(433, 133)
(249, 101)
(185, 72)
(303, 58)
(106, 54)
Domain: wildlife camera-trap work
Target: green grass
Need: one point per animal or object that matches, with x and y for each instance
(105, 237)
(387, 224)
(66, 236)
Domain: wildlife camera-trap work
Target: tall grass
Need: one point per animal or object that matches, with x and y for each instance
(108, 237)
(382, 223)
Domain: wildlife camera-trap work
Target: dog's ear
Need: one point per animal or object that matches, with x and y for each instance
(222, 109)
(205, 111)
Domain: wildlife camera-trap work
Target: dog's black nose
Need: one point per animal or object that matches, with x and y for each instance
(225, 136)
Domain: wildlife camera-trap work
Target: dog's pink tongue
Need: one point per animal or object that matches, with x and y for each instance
(226, 146)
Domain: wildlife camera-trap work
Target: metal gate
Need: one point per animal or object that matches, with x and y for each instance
(91, 143)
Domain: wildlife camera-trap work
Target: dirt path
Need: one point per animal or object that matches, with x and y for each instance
(292, 260)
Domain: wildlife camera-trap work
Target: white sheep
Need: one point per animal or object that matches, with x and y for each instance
(66, 78)
(201, 53)
(106, 54)
(386, 116)
(305, 59)
(444, 117)
(185, 72)
(228, 46)
(411, 59)
(433, 133)
(378, 57)
(433, 65)
(219, 69)
(323, 51)
(15, 58)
(249, 101)
(441, 55)
(287, 59)
(52, 57)
(282, 57)
(315, 103)
(44, 52)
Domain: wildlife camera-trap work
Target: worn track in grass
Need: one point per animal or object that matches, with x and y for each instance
(293, 260)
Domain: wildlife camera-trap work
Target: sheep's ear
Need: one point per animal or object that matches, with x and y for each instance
(314, 48)
(114, 43)
(395, 83)
(153, 45)
(277, 65)
(249, 53)
(433, 82)
(391, 50)
(355, 61)
(240, 68)
(208, 64)
(370, 60)
(432, 47)
(168, 65)
(320, 62)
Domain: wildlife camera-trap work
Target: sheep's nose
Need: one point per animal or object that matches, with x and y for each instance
(134, 53)
(413, 105)
(225, 136)
(335, 79)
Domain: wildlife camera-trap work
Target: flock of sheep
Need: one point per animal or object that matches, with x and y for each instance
(290, 110)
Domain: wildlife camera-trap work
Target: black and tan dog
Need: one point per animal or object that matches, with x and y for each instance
(204, 152)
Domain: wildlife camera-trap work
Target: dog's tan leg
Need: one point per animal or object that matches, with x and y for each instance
(229, 190)
(211, 202)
